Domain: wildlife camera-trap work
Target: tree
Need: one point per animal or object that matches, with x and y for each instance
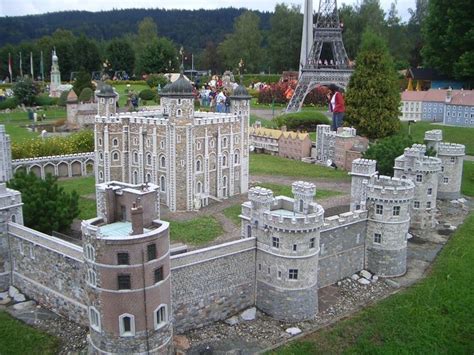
(156, 56)
(46, 206)
(373, 99)
(25, 91)
(86, 54)
(386, 150)
(448, 33)
(244, 43)
(210, 59)
(83, 80)
(284, 38)
(86, 95)
(121, 55)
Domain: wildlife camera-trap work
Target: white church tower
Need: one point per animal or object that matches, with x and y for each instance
(55, 76)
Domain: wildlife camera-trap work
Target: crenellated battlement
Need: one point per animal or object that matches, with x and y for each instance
(451, 149)
(343, 219)
(260, 195)
(416, 150)
(346, 132)
(303, 188)
(363, 167)
(296, 222)
(389, 188)
(434, 135)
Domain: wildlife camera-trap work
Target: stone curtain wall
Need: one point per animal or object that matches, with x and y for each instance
(342, 250)
(212, 284)
(48, 270)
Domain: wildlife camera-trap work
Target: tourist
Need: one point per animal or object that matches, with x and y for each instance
(227, 102)
(212, 99)
(336, 106)
(220, 101)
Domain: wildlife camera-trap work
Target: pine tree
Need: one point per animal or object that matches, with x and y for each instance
(373, 97)
(46, 206)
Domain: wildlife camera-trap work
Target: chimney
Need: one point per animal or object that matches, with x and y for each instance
(137, 219)
(283, 128)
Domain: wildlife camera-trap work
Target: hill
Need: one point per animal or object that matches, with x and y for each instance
(190, 28)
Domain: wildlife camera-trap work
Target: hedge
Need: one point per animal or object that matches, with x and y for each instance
(45, 100)
(303, 121)
(147, 94)
(9, 103)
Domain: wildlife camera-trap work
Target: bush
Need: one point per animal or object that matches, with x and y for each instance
(80, 142)
(147, 94)
(303, 121)
(9, 103)
(45, 100)
(316, 97)
(25, 91)
(86, 95)
(63, 98)
(386, 150)
(154, 80)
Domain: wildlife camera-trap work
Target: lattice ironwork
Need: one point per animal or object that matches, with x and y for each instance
(327, 62)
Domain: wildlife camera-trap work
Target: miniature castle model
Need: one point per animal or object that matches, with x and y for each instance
(123, 283)
(55, 76)
(192, 156)
(341, 147)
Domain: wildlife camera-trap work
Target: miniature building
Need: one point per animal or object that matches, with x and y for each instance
(264, 140)
(294, 145)
(55, 77)
(80, 114)
(127, 268)
(5, 156)
(192, 156)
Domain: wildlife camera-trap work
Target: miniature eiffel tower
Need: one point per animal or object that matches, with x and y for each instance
(327, 61)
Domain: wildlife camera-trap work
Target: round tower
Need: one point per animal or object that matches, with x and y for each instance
(449, 183)
(433, 138)
(106, 101)
(127, 266)
(388, 204)
(287, 252)
(362, 171)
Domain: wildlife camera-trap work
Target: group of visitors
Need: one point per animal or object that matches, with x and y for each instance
(218, 100)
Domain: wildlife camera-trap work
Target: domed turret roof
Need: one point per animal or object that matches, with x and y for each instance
(241, 92)
(106, 91)
(180, 87)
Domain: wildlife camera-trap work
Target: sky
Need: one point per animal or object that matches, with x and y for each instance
(31, 7)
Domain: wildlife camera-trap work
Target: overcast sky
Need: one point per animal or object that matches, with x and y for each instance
(28, 7)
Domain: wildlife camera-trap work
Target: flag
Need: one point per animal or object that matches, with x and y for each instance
(21, 67)
(10, 66)
(31, 66)
(41, 67)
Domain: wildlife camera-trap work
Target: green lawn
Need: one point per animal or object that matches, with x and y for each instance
(265, 123)
(122, 88)
(263, 164)
(467, 185)
(18, 338)
(452, 134)
(84, 186)
(435, 316)
(196, 231)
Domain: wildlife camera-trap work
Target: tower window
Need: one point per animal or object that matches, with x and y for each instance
(294, 247)
(91, 277)
(396, 210)
(312, 243)
(293, 274)
(151, 251)
(94, 319)
(124, 282)
(127, 325)
(428, 204)
(160, 316)
(275, 242)
(419, 178)
(453, 159)
(416, 204)
(123, 259)
(445, 180)
(377, 238)
(159, 274)
(430, 191)
(378, 209)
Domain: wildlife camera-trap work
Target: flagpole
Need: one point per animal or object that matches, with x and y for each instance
(21, 67)
(41, 67)
(31, 67)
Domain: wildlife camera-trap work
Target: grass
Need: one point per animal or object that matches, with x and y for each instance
(84, 186)
(262, 164)
(432, 317)
(196, 231)
(121, 88)
(461, 135)
(233, 213)
(32, 341)
(467, 184)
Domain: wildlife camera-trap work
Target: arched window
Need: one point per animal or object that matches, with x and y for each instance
(198, 145)
(224, 142)
(237, 157)
(212, 143)
(127, 325)
(101, 156)
(94, 318)
(249, 231)
(100, 141)
(115, 142)
(115, 156)
(148, 177)
(224, 186)
(148, 158)
(162, 184)
(135, 157)
(162, 162)
(160, 316)
(198, 165)
(179, 113)
(89, 252)
(101, 176)
(224, 159)
(91, 277)
(13, 218)
(199, 187)
(135, 177)
(301, 205)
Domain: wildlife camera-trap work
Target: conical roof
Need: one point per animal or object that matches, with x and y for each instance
(106, 91)
(181, 87)
(241, 92)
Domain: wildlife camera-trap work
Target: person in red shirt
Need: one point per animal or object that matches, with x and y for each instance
(336, 106)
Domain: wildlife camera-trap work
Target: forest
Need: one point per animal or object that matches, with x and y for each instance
(140, 41)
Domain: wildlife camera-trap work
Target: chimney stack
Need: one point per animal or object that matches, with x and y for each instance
(137, 219)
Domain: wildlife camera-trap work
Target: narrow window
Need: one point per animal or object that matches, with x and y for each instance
(162, 184)
(312, 243)
(279, 274)
(159, 274)
(396, 210)
(259, 267)
(294, 247)
(249, 231)
(94, 319)
(377, 238)
(124, 282)
(127, 325)
(160, 316)
(293, 274)
(123, 259)
(151, 251)
(430, 191)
